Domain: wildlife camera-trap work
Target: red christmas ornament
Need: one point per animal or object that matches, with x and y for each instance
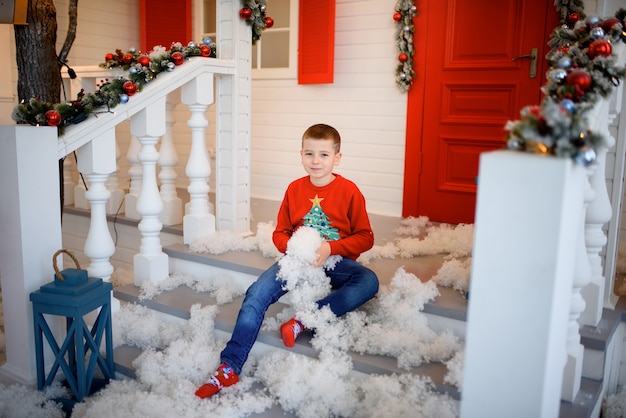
(579, 78)
(245, 13)
(178, 57)
(205, 50)
(397, 16)
(572, 18)
(403, 57)
(600, 48)
(53, 118)
(269, 22)
(129, 88)
(144, 60)
(108, 57)
(608, 24)
(127, 58)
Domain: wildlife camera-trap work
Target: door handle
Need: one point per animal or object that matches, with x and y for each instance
(532, 72)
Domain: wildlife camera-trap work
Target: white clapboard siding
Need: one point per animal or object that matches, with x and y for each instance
(363, 103)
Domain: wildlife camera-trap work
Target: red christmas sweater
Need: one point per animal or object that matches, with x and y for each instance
(336, 210)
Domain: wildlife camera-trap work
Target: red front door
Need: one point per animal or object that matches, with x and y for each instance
(469, 84)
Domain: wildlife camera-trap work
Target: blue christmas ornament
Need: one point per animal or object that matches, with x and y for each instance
(132, 70)
(568, 105)
(565, 63)
(596, 33)
(207, 41)
(558, 76)
(585, 156)
(191, 44)
(123, 98)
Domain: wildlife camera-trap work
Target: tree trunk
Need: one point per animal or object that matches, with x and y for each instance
(38, 68)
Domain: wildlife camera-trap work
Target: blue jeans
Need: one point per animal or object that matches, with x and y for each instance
(353, 284)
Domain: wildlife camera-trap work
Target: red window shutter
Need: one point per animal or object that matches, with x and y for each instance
(316, 42)
(164, 22)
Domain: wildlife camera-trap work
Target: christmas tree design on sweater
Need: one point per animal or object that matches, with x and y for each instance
(316, 218)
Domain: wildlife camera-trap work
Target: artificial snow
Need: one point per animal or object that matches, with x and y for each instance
(178, 355)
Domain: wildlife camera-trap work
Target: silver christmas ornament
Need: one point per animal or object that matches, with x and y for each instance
(585, 156)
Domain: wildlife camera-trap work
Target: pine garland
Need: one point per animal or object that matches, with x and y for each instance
(253, 12)
(404, 14)
(142, 68)
(582, 71)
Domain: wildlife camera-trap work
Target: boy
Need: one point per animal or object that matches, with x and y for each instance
(345, 229)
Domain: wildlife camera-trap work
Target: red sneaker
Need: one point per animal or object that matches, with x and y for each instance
(223, 376)
(290, 331)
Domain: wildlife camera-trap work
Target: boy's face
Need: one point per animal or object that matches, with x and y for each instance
(318, 159)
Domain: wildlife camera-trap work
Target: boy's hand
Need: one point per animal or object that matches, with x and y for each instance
(323, 252)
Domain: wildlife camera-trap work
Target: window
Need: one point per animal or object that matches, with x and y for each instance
(274, 56)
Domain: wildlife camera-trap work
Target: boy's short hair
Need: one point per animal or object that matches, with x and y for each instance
(323, 131)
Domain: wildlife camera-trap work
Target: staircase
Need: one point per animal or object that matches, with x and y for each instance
(448, 310)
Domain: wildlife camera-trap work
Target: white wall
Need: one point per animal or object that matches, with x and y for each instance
(363, 103)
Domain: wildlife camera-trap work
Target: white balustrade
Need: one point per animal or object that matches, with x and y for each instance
(172, 213)
(151, 263)
(582, 277)
(135, 173)
(198, 221)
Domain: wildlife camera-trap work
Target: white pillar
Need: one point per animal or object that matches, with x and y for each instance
(198, 222)
(528, 217)
(151, 263)
(582, 276)
(172, 213)
(30, 226)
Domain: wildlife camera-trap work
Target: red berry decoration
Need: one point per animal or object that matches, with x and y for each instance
(403, 57)
(178, 58)
(269, 22)
(53, 118)
(144, 60)
(245, 13)
(129, 88)
(579, 78)
(600, 48)
(397, 16)
(127, 58)
(108, 57)
(205, 50)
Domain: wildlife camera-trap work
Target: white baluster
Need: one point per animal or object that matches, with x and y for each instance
(97, 160)
(598, 213)
(68, 180)
(582, 276)
(115, 204)
(81, 187)
(151, 263)
(135, 173)
(172, 213)
(198, 221)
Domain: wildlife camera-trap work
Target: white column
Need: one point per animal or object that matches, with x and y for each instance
(582, 276)
(528, 216)
(172, 213)
(232, 183)
(198, 221)
(151, 263)
(135, 173)
(115, 204)
(30, 224)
